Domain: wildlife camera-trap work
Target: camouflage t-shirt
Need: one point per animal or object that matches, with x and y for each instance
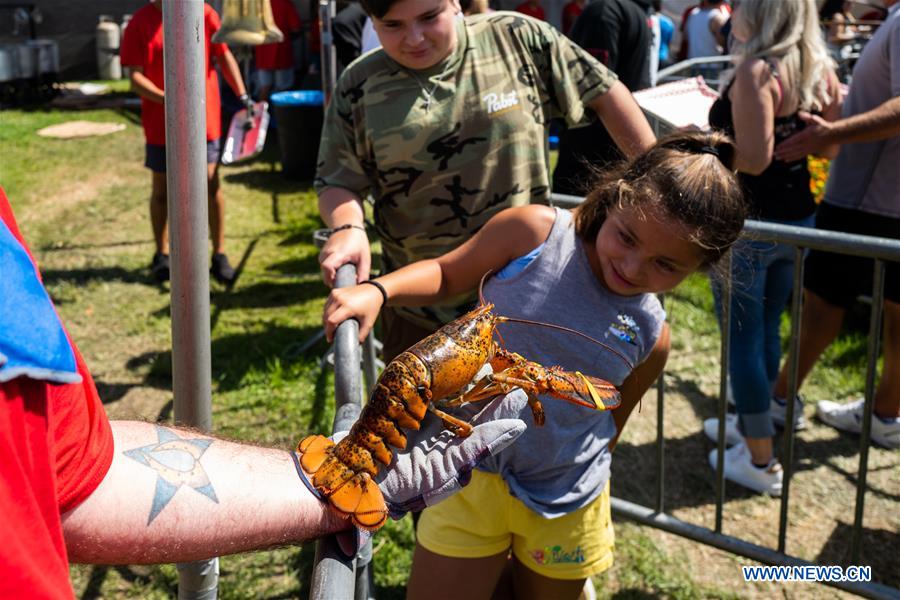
(443, 150)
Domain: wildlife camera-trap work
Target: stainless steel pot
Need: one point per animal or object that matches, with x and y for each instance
(46, 53)
(7, 62)
(26, 61)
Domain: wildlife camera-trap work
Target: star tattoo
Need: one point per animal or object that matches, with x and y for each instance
(176, 461)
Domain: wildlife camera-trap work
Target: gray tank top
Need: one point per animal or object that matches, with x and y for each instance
(562, 466)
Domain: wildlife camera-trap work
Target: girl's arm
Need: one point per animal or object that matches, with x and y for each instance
(640, 380)
(754, 96)
(506, 236)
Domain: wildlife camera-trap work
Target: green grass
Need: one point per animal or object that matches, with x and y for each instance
(83, 206)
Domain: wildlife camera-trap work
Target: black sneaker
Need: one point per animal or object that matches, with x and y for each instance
(222, 269)
(159, 267)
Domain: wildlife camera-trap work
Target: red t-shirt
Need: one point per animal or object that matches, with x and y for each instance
(279, 55)
(532, 11)
(569, 15)
(142, 47)
(56, 446)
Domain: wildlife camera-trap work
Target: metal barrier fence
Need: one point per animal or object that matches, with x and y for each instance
(881, 250)
(334, 577)
(710, 67)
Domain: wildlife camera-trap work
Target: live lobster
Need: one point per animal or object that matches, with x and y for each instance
(438, 367)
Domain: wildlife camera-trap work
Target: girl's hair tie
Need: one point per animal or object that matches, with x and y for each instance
(710, 150)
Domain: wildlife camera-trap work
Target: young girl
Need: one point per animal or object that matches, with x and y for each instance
(646, 226)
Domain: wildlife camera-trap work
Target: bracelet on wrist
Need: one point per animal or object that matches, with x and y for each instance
(384, 296)
(347, 226)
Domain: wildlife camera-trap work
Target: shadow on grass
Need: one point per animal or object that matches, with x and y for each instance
(233, 356)
(636, 594)
(297, 266)
(152, 578)
(113, 392)
(54, 277)
(873, 546)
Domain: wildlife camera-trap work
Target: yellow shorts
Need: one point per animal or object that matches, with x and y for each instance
(484, 519)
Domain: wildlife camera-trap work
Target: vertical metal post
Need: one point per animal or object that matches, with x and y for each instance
(864, 441)
(327, 12)
(185, 85)
(787, 451)
(660, 435)
(333, 576)
(723, 388)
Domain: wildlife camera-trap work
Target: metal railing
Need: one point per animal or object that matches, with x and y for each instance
(710, 67)
(334, 576)
(879, 249)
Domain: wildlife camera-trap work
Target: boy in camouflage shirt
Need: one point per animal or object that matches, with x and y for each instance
(444, 127)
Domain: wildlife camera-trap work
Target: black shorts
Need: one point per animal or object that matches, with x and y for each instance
(155, 157)
(839, 278)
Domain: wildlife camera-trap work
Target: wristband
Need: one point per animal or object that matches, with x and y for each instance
(347, 226)
(381, 289)
(245, 98)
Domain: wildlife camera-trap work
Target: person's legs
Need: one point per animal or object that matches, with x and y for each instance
(887, 396)
(528, 585)
(216, 209)
(435, 577)
(462, 544)
(265, 79)
(159, 212)
(747, 356)
(221, 269)
(820, 324)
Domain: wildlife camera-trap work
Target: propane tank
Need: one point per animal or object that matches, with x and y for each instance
(108, 65)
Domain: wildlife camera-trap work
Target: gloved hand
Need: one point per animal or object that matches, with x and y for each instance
(248, 103)
(436, 463)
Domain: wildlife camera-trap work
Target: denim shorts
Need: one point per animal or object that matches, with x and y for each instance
(155, 158)
(278, 80)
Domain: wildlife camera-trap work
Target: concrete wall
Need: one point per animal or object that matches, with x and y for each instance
(72, 24)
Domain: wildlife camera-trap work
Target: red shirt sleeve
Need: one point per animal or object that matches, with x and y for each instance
(213, 24)
(56, 446)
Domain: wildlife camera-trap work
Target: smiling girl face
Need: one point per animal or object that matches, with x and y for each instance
(641, 251)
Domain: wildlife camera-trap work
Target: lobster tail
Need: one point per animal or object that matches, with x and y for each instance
(362, 501)
(353, 494)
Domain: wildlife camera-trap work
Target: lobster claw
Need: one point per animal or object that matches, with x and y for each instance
(604, 395)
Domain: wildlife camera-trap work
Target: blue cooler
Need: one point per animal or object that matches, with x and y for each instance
(299, 114)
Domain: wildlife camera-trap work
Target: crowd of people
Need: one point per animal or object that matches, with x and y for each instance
(442, 128)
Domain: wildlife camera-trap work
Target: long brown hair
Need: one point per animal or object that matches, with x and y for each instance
(689, 175)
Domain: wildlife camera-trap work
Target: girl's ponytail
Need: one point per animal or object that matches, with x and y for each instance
(690, 176)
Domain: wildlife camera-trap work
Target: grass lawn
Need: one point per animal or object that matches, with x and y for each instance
(82, 204)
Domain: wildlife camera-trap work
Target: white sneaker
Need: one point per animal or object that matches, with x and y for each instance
(588, 592)
(848, 417)
(740, 469)
(778, 410)
(732, 435)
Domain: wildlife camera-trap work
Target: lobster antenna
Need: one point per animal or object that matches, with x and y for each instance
(621, 356)
(481, 287)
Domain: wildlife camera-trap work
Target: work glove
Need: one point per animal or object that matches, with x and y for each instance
(248, 103)
(436, 463)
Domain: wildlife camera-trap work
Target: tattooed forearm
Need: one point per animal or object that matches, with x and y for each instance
(176, 461)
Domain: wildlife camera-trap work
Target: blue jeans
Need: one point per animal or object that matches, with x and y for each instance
(762, 279)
